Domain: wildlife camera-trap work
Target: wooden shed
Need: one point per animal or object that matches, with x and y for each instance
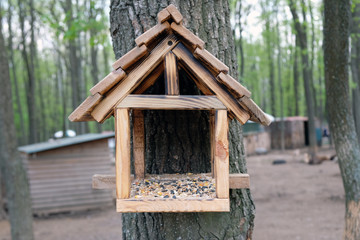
(164, 50)
(60, 172)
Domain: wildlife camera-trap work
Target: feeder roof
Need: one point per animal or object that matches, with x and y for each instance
(140, 68)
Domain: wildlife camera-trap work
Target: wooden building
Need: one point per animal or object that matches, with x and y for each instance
(163, 50)
(60, 172)
(295, 133)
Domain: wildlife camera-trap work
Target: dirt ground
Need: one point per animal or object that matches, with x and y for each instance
(293, 201)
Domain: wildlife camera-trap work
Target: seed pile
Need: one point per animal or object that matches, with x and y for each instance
(189, 187)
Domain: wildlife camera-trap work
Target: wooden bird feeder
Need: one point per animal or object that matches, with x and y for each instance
(164, 49)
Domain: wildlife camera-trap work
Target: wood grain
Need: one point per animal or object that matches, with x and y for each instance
(233, 86)
(152, 34)
(163, 15)
(150, 80)
(193, 40)
(258, 115)
(122, 159)
(171, 75)
(138, 144)
(130, 58)
(175, 14)
(108, 82)
(208, 79)
(236, 180)
(175, 205)
(105, 107)
(221, 159)
(239, 180)
(210, 61)
(183, 102)
(199, 84)
(82, 112)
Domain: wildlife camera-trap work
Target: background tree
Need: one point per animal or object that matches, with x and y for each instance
(11, 166)
(336, 58)
(175, 145)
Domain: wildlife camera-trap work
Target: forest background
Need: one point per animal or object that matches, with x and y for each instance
(59, 49)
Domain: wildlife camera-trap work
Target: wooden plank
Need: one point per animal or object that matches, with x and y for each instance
(122, 161)
(234, 87)
(82, 112)
(171, 75)
(181, 102)
(236, 180)
(200, 85)
(131, 57)
(150, 80)
(152, 34)
(139, 143)
(175, 14)
(210, 61)
(221, 154)
(105, 107)
(163, 15)
(205, 76)
(212, 141)
(259, 115)
(176, 205)
(108, 82)
(193, 40)
(239, 180)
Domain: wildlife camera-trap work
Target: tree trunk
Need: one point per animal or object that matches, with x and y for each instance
(30, 84)
(17, 189)
(336, 59)
(173, 141)
(22, 140)
(307, 76)
(355, 70)
(296, 78)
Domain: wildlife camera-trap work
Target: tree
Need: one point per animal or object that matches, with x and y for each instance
(173, 143)
(342, 127)
(17, 189)
(301, 36)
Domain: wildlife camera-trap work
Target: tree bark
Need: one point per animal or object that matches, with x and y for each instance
(17, 189)
(307, 76)
(175, 140)
(296, 78)
(336, 59)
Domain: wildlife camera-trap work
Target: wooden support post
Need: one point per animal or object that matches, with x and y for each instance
(212, 141)
(171, 75)
(122, 161)
(221, 154)
(138, 143)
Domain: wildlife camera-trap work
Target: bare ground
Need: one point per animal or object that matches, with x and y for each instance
(293, 201)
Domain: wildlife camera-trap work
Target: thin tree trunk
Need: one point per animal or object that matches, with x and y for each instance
(307, 76)
(11, 165)
(22, 140)
(174, 142)
(336, 59)
(296, 77)
(30, 84)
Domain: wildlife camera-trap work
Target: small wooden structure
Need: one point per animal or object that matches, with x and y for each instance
(60, 172)
(165, 48)
(295, 132)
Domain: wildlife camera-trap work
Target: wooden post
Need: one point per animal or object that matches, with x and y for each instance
(138, 143)
(171, 75)
(221, 154)
(212, 141)
(122, 162)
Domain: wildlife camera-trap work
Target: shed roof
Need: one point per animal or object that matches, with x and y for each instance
(64, 142)
(140, 67)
